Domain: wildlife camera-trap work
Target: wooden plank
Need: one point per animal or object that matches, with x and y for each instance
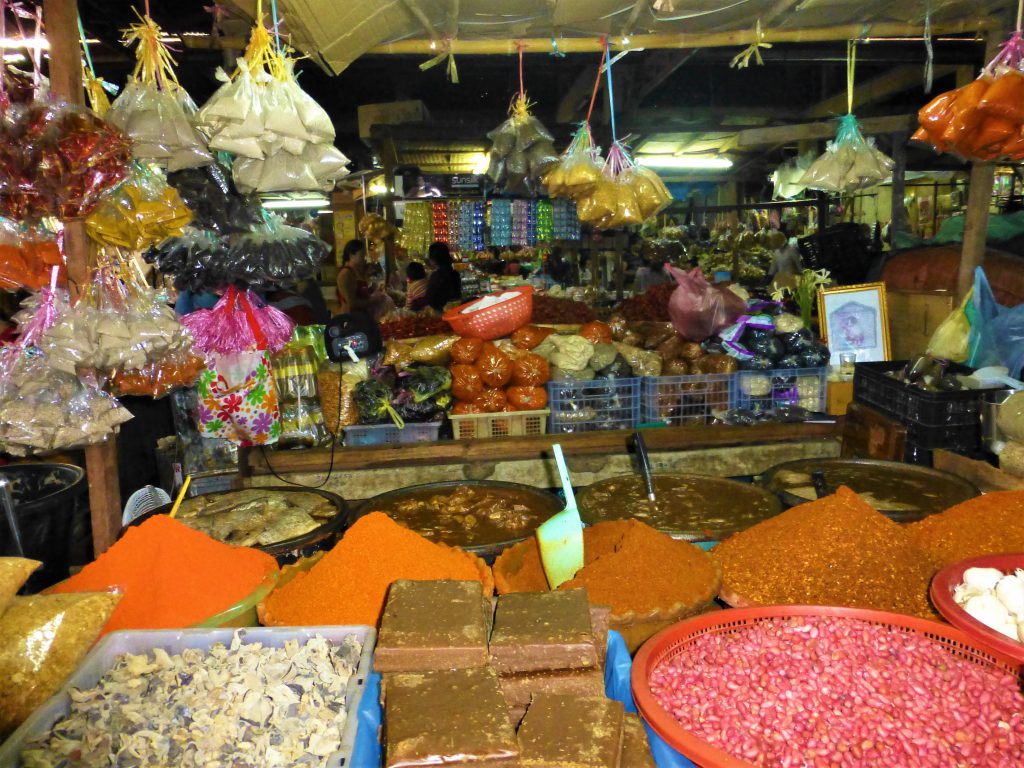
(522, 448)
(783, 134)
(665, 40)
(981, 473)
(869, 434)
(61, 17)
(913, 318)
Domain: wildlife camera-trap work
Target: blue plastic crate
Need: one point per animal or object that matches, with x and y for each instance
(389, 434)
(765, 390)
(598, 404)
(681, 400)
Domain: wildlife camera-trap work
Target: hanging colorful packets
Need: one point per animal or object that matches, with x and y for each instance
(983, 120)
(849, 163)
(238, 322)
(119, 324)
(375, 227)
(141, 213)
(417, 232)
(215, 203)
(57, 159)
(153, 109)
(27, 257)
(282, 138)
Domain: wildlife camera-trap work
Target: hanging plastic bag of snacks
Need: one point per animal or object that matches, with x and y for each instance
(194, 260)
(983, 120)
(175, 370)
(295, 374)
(580, 168)
(153, 109)
(215, 204)
(141, 213)
(850, 162)
(273, 255)
(282, 138)
(58, 159)
(27, 256)
(522, 149)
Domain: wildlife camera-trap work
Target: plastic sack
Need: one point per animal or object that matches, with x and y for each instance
(522, 151)
(44, 637)
(27, 257)
(215, 203)
(274, 255)
(531, 370)
(997, 332)
(950, 341)
(337, 386)
(194, 260)
(141, 213)
(466, 382)
(849, 163)
(239, 321)
(373, 402)
(698, 309)
(579, 169)
(433, 350)
(158, 379)
(296, 378)
(238, 399)
(58, 159)
(153, 109)
(14, 572)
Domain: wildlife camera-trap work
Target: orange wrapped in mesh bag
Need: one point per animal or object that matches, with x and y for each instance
(531, 370)
(495, 367)
(596, 332)
(527, 398)
(466, 382)
(529, 336)
(491, 401)
(465, 409)
(466, 350)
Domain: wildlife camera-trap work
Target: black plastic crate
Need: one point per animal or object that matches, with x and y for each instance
(872, 385)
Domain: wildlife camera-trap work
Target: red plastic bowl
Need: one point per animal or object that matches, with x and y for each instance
(669, 642)
(946, 581)
(496, 321)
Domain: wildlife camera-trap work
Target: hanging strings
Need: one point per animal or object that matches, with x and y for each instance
(597, 81)
(611, 90)
(851, 63)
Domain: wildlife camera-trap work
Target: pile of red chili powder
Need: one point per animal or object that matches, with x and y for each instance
(171, 575)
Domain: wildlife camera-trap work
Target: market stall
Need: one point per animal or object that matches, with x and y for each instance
(632, 475)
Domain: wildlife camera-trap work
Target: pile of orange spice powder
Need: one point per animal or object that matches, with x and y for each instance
(834, 551)
(985, 525)
(171, 576)
(629, 566)
(350, 583)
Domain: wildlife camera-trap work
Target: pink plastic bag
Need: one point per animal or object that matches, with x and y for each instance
(698, 309)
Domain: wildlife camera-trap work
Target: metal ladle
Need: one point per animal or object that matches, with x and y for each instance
(645, 463)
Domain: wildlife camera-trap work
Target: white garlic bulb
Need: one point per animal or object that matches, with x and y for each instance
(1020, 631)
(1010, 591)
(982, 578)
(989, 610)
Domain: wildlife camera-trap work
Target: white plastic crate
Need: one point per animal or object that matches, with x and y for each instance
(765, 390)
(682, 400)
(102, 657)
(391, 434)
(516, 424)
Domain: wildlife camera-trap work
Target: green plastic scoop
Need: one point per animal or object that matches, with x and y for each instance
(561, 537)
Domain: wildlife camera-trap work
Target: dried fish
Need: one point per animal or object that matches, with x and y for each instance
(256, 517)
(239, 705)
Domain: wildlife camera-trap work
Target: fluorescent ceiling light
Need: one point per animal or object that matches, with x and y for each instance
(377, 188)
(25, 42)
(481, 163)
(295, 203)
(684, 162)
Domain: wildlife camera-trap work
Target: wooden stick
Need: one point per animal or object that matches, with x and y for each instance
(413, 7)
(736, 38)
(61, 18)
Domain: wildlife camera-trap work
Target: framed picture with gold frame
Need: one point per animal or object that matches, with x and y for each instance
(854, 319)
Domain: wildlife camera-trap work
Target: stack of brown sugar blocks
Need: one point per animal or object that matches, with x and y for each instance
(462, 675)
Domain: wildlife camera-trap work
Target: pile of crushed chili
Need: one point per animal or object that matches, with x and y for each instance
(350, 583)
(834, 551)
(985, 525)
(629, 566)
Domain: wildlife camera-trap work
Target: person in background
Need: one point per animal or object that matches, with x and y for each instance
(353, 288)
(304, 304)
(650, 274)
(189, 301)
(416, 292)
(444, 285)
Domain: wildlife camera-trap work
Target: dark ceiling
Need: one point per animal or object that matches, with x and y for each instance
(701, 90)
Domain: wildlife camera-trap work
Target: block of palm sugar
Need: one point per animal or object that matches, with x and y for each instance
(571, 732)
(636, 750)
(537, 631)
(520, 689)
(600, 622)
(451, 718)
(431, 625)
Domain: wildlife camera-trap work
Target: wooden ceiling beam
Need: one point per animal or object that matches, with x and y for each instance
(895, 81)
(669, 40)
(783, 134)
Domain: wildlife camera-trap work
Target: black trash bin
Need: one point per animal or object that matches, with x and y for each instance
(52, 517)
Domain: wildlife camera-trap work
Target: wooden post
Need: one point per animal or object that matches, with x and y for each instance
(61, 17)
(979, 199)
(899, 219)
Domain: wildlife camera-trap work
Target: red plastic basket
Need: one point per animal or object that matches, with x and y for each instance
(669, 643)
(946, 581)
(496, 321)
